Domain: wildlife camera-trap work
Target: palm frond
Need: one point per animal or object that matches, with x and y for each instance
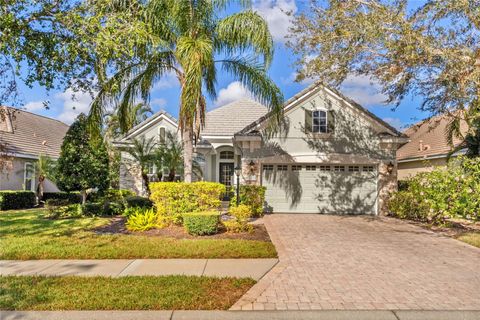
(245, 31)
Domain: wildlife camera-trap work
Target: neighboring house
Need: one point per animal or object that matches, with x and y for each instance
(330, 155)
(26, 136)
(428, 147)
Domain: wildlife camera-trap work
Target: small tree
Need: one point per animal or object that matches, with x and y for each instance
(83, 162)
(141, 151)
(46, 169)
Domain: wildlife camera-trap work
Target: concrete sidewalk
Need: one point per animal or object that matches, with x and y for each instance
(240, 268)
(240, 315)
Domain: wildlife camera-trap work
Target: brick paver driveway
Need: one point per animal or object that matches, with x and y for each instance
(335, 262)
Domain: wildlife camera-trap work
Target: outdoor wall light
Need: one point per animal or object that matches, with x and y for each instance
(390, 167)
(252, 166)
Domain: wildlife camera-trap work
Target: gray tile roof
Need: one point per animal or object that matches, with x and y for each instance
(31, 134)
(233, 117)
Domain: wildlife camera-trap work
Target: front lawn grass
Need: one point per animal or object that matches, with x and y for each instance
(124, 293)
(472, 238)
(26, 234)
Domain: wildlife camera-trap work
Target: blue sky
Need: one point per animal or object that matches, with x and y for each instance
(165, 93)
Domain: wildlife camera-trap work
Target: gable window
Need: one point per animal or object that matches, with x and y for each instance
(29, 176)
(367, 169)
(311, 168)
(282, 167)
(296, 168)
(161, 135)
(353, 168)
(324, 168)
(226, 155)
(268, 167)
(319, 121)
(339, 168)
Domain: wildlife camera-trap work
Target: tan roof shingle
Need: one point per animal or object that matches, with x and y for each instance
(31, 134)
(427, 139)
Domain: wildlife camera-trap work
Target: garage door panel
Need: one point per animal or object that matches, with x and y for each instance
(320, 191)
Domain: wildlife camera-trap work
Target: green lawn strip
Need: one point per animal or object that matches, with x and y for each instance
(27, 235)
(472, 238)
(124, 293)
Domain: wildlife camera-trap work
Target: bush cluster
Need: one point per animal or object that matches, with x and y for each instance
(10, 200)
(173, 199)
(443, 193)
(138, 202)
(71, 197)
(252, 196)
(239, 223)
(201, 223)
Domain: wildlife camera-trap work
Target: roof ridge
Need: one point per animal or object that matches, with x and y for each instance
(36, 114)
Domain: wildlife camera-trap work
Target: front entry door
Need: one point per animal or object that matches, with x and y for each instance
(226, 174)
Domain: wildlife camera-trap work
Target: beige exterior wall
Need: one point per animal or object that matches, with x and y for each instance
(355, 141)
(411, 168)
(13, 178)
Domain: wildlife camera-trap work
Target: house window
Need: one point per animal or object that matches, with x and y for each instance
(367, 169)
(339, 168)
(353, 168)
(324, 168)
(311, 168)
(319, 121)
(268, 167)
(282, 167)
(226, 155)
(161, 135)
(296, 168)
(29, 176)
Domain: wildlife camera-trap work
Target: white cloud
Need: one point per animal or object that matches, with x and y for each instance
(234, 91)
(158, 102)
(74, 103)
(395, 122)
(169, 80)
(36, 105)
(276, 13)
(363, 90)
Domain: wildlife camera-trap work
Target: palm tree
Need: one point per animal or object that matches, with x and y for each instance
(142, 152)
(471, 138)
(45, 168)
(194, 43)
(118, 124)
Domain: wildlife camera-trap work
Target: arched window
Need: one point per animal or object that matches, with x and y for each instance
(226, 155)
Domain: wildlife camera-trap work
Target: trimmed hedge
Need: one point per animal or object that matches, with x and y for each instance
(92, 209)
(71, 197)
(111, 195)
(138, 202)
(252, 196)
(175, 198)
(10, 200)
(201, 223)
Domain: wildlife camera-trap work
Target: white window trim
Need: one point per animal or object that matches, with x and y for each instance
(25, 176)
(326, 120)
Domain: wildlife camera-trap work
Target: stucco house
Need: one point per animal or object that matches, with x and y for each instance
(427, 147)
(330, 155)
(25, 136)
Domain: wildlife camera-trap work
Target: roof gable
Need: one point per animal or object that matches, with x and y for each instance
(150, 122)
(296, 101)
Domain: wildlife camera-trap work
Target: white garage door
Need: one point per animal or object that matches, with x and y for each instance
(320, 188)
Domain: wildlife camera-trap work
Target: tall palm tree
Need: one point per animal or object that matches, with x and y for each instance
(193, 42)
(142, 152)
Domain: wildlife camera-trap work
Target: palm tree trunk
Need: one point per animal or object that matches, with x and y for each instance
(187, 138)
(145, 181)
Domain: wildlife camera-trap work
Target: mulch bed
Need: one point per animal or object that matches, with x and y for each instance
(117, 226)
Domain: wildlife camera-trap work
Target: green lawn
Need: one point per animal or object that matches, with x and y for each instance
(472, 238)
(125, 293)
(27, 235)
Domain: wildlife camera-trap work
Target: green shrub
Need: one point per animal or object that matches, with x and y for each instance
(72, 197)
(239, 223)
(252, 196)
(111, 208)
(52, 203)
(143, 219)
(92, 209)
(403, 185)
(112, 195)
(10, 200)
(172, 199)
(138, 202)
(65, 211)
(201, 223)
(443, 193)
(127, 212)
